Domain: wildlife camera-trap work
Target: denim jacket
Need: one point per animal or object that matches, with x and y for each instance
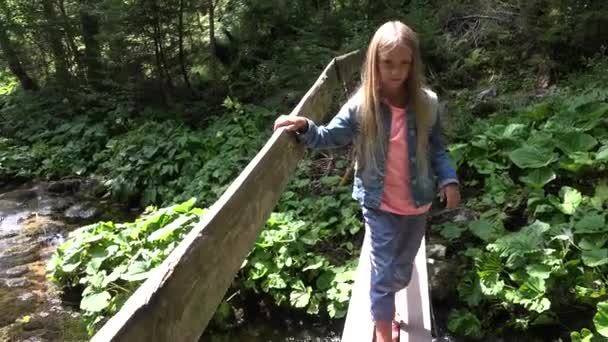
(368, 184)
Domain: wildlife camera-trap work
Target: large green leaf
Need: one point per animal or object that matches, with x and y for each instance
(529, 157)
(137, 270)
(531, 295)
(166, 231)
(601, 195)
(601, 318)
(571, 142)
(570, 200)
(539, 271)
(529, 239)
(591, 223)
(585, 335)
(485, 230)
(602, 153)
(452, 231)
(464, 323)
(96, 302)
(538, 178)
(539, 111)
(300, 295)
(595, 257)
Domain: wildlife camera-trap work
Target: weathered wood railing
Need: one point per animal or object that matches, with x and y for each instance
(179, 298)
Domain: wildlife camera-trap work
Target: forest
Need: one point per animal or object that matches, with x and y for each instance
(162, 103)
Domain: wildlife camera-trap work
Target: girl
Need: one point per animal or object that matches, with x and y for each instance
(400, 158)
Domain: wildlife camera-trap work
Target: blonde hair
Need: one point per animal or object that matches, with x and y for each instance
(372, 130)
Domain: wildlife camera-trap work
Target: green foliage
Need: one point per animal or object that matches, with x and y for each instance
(111, 260)
(539, 167)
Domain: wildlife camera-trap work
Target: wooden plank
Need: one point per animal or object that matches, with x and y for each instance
(412, 304)
(179, 298)
(358, 326)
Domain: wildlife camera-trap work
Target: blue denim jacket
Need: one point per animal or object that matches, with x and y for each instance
(368, 184)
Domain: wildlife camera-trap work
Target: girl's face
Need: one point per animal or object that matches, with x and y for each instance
(394, 67)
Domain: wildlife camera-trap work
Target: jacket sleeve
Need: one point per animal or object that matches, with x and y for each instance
(338, 132)
(440, 159)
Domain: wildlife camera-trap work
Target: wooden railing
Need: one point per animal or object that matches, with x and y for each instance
(180, 297)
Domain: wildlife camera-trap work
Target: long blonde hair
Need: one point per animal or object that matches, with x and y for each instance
(372, 130)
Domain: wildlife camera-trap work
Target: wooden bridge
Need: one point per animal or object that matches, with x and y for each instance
(180, 297)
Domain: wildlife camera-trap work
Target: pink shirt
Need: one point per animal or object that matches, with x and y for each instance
(397, 195)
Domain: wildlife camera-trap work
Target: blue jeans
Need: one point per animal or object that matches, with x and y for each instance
(394, 241)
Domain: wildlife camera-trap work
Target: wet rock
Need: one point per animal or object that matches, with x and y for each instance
(64, 186)
(8, 234)
(16, 271)
(487, 93)
(34, 324)
(41, 225)
(11, 308)
(36, 338)
(26, 297)
(460, 214)
(21, 195)
(12, 258)
(486, 102)
(12, 283)
(442, 274)
(91, 187)
(81, 212)
(54, 205)
(436, 251)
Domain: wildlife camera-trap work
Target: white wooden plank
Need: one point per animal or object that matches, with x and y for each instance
(359, 326)
(412, 303)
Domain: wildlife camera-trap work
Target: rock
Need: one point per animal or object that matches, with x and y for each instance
(26, 297)
(486, 102)
(485, 108)
(16, 271)
(460, 214)
(489, 92)
(436, 251)
(35, 339)
(26, 255)
(21, 195)
(64, 186)
(442, 274)
(92, 187)
(11, 308)
(53, 205)
(20, 282)
(8, 234)
(34, 324)
(81, 212)
(41, 225)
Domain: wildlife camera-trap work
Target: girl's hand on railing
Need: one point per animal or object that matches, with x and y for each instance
(291, 123)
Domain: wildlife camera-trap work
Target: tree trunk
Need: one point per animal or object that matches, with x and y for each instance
(13, 61)
(160, 44)
(211, 12)
(182, 61)
(54, 34)
(92, 54)
(69, 36)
